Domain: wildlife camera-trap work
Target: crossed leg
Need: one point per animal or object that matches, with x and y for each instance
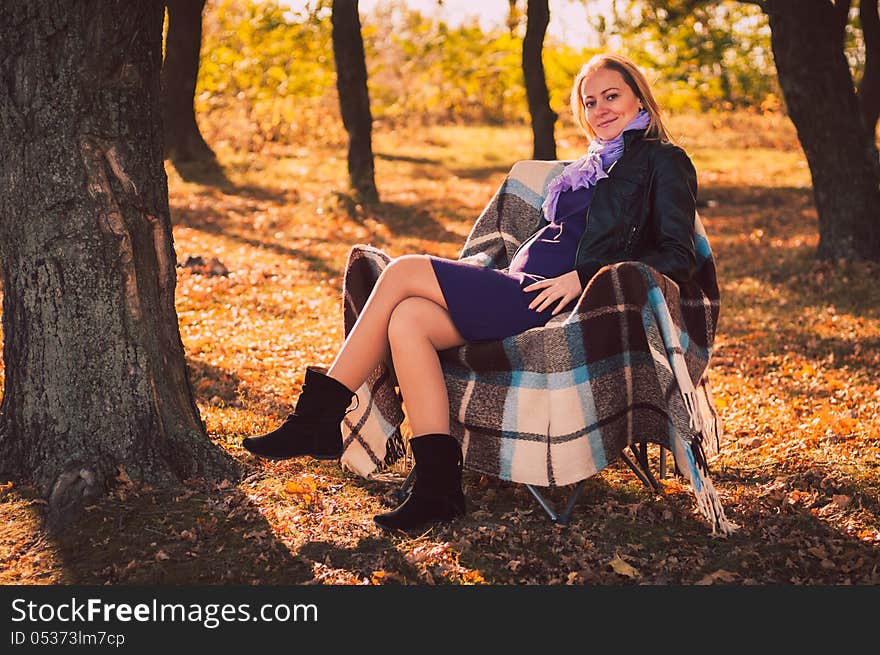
(406, 316)
(418, 329)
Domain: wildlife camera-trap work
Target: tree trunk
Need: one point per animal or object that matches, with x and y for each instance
(354, 99)
(869, 89)
(95, 369)
(182, 138)
(513, 17)
(543, 118)
(807, 38)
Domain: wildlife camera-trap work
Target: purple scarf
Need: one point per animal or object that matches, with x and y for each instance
(590, 168)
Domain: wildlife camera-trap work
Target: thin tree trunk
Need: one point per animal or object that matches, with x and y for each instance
(543, 118)
(513, 16)
(182, 138)
(807, 39)
(354, 99)
(95, 370)
(869, 89)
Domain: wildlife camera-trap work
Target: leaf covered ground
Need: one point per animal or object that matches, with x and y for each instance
(261, 250)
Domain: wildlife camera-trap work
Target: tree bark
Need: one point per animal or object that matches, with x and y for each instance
(869, 88)
(95, 371)
(543, 118)
(354, 99)
(182, 138)
(807, 38)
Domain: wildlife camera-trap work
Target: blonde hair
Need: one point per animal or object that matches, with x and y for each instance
(634, 79)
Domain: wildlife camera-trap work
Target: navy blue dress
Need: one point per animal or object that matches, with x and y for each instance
(487, 304)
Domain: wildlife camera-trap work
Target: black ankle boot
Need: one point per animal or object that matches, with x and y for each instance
(314, 428)
(437, 494)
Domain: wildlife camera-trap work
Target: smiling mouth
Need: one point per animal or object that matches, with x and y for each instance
(607, 122)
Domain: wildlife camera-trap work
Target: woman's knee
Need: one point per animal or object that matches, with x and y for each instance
(405, 267)
(409, 320)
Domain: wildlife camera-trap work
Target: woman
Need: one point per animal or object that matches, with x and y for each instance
(631, 197)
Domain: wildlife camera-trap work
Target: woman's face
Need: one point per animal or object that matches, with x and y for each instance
(609, 103)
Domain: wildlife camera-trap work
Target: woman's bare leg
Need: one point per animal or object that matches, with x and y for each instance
(366, 346)
(417, 330)
(406, 280)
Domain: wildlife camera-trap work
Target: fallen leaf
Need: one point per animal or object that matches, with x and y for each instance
(841, 500)
(473, 577)
(817, 552)
(306, 485)
(719, 575)
(122, 475)
(673, 486)
(622, 568)
(292, 487)
(162, 555)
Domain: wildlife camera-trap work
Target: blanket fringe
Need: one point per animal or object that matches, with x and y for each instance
(708, 501)
(712, 427)
(692, 404)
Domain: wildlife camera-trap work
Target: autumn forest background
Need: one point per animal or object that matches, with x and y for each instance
(261, 228)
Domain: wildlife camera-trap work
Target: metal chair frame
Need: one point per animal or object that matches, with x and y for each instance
(638, 465)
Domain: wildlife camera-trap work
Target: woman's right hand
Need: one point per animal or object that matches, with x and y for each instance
(564, 288)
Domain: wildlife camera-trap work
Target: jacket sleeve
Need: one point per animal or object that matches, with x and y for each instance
(673, 198)
(587, 270)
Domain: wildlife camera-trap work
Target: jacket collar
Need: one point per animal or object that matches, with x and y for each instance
(631, 136)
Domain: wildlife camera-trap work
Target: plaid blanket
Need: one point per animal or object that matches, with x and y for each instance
(556, 404)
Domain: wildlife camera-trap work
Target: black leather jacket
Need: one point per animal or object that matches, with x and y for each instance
(643, 211)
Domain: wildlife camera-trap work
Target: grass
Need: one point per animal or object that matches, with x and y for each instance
(794, 372)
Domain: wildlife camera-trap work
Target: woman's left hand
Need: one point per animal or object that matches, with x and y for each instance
(564, 288)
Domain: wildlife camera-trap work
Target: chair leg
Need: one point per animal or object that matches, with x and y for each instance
(662, 463)
(646, 478)
(641, 452)
(563, 517)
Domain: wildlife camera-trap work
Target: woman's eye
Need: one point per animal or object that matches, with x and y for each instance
(589, 104)
(610, 97)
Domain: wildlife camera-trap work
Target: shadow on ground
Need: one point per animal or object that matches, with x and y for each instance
(181, 536)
